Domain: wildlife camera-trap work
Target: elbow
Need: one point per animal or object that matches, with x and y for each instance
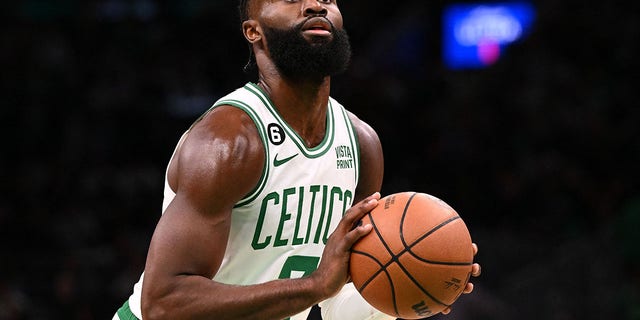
(154, 312)
(154, 309)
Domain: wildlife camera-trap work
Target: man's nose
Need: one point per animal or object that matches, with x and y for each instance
(313, 8)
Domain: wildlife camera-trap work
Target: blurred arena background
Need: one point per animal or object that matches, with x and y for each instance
(539, 150)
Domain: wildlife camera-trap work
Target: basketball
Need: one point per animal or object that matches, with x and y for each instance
(417, 259)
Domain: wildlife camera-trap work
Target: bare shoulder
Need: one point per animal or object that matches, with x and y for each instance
(371, 158)
(218, 162)
(221, 155)
(366, 133)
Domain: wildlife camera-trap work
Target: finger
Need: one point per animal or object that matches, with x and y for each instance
(356, 212)
(358, 232)
(446, 310)
(476, 270)
(468, 288)
(475, 248)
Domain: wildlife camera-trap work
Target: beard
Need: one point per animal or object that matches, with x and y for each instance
(297, 58)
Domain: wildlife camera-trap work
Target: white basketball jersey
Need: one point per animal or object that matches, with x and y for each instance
(279, 230)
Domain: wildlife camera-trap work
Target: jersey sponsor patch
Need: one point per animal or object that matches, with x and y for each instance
(344, 157)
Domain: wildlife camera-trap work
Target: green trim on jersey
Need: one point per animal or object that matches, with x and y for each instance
(314, 152)
(263, 136)
(355, 143)
(124, 313)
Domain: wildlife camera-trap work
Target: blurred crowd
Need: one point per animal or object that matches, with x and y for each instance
(539, 153)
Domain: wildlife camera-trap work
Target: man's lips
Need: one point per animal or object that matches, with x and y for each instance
(319, 26)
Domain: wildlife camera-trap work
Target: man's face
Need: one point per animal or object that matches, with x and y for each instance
(299, 54)
(305, 38)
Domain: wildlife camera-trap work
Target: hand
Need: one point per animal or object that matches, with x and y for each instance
(475, 271)
(333, 271)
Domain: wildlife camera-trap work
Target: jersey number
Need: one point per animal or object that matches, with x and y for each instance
(304, 264)
(276, 134)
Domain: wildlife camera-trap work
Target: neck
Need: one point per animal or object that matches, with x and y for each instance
(302, 103)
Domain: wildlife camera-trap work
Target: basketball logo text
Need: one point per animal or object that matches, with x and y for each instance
(421, 309)
(454, 284)
(390, 200)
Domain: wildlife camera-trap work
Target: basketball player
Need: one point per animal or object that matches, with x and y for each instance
(264, 192)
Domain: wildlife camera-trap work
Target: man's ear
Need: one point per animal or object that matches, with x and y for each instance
(252, 31)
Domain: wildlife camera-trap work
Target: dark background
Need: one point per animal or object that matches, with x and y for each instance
(539, 153)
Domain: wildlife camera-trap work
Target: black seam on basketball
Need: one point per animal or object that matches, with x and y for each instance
(441, 263)
(404, 214)
(406, 272)
(373, 223)
(383, 268)
(428, 233)
(396, 257)
(444, 263)
(408, 248)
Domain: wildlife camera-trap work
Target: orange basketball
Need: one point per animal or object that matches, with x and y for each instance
(417, 259)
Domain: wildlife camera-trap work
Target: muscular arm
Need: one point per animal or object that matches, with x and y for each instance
(218, 163)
